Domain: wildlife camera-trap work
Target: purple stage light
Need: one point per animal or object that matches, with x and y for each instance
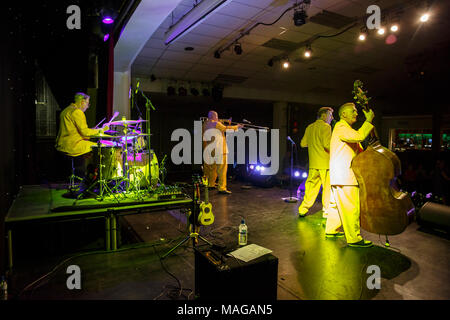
(106, 37)
(107, 20)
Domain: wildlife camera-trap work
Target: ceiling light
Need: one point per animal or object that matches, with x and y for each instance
(308, 52)
(238, 48)
(425, 17)
(286, 64)
(362, 37)
(381, 31)
(394, 28)
(191, 19)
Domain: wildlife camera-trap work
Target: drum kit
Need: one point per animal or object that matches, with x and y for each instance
(123, 166)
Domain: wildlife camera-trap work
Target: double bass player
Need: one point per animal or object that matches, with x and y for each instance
(344, 207)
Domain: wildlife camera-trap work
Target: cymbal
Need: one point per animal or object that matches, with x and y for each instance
(139, 135)
(101, 136)
(122, 122)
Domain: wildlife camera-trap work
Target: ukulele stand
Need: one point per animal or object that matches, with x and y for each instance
(193, 228)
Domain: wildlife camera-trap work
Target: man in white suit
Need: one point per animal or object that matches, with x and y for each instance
(344, 207)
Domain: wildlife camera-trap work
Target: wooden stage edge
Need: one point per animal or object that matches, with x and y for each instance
(46, 203)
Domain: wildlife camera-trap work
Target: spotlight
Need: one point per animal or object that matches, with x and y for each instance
(304, 175)
(270, 63)
(252, 167)
(238, 48)
(381, 31)
(300, 17)
(170, 91)
(308, 52)
(297, 173)
(394, 28)
(182, 91)
(108, 16)
(286, 64)
(362, 37)
(217, 54)
(258, 168)
(425, 17)
(107, 20)
(194, 92)
(106, 37)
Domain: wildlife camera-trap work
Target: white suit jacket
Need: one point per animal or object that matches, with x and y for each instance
(344, 146)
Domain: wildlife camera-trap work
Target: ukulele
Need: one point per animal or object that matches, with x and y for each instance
(206, 216)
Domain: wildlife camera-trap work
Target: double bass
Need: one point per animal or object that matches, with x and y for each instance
(385, 209)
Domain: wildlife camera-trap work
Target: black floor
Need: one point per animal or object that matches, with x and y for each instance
(416, 266)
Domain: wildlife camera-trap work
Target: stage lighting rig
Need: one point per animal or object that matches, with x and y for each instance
(238, 48)
(300, 14)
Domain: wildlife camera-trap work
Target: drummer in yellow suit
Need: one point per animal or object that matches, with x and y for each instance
(344, 199)
(73, 135)
(217, 168)
(317, 140)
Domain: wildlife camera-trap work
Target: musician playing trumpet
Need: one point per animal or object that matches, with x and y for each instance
(217, 168)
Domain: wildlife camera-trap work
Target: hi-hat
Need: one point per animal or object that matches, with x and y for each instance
(123, 122)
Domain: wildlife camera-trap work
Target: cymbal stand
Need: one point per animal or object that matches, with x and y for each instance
(136, 182)
(103, 186)
(129, 185)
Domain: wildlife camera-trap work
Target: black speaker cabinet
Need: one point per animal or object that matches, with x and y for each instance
(221, 277)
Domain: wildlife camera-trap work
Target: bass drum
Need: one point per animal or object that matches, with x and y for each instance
(111, 158)
(139, 169)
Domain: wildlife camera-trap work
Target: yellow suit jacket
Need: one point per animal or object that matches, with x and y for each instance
(317, 138)
(73, 132)
(345, 145)
(219, 141)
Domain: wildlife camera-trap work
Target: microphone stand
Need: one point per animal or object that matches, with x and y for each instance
(291, 199)
(148, 105)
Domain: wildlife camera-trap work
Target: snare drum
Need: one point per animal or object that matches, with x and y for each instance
(111, 161)
(139, 171)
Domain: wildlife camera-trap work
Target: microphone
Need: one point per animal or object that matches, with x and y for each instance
(289, 138)
(137, 88)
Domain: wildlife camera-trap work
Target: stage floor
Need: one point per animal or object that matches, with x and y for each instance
(416, 266)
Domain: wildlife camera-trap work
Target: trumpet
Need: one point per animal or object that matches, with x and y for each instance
(246, 124)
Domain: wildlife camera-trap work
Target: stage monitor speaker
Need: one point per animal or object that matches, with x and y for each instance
(220, 277)
(434, 215)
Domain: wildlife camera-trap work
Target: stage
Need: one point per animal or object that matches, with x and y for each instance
(310, 267)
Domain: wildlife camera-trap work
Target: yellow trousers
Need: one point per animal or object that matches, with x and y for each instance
(316, 178)
(344, 211)
(212, 171)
